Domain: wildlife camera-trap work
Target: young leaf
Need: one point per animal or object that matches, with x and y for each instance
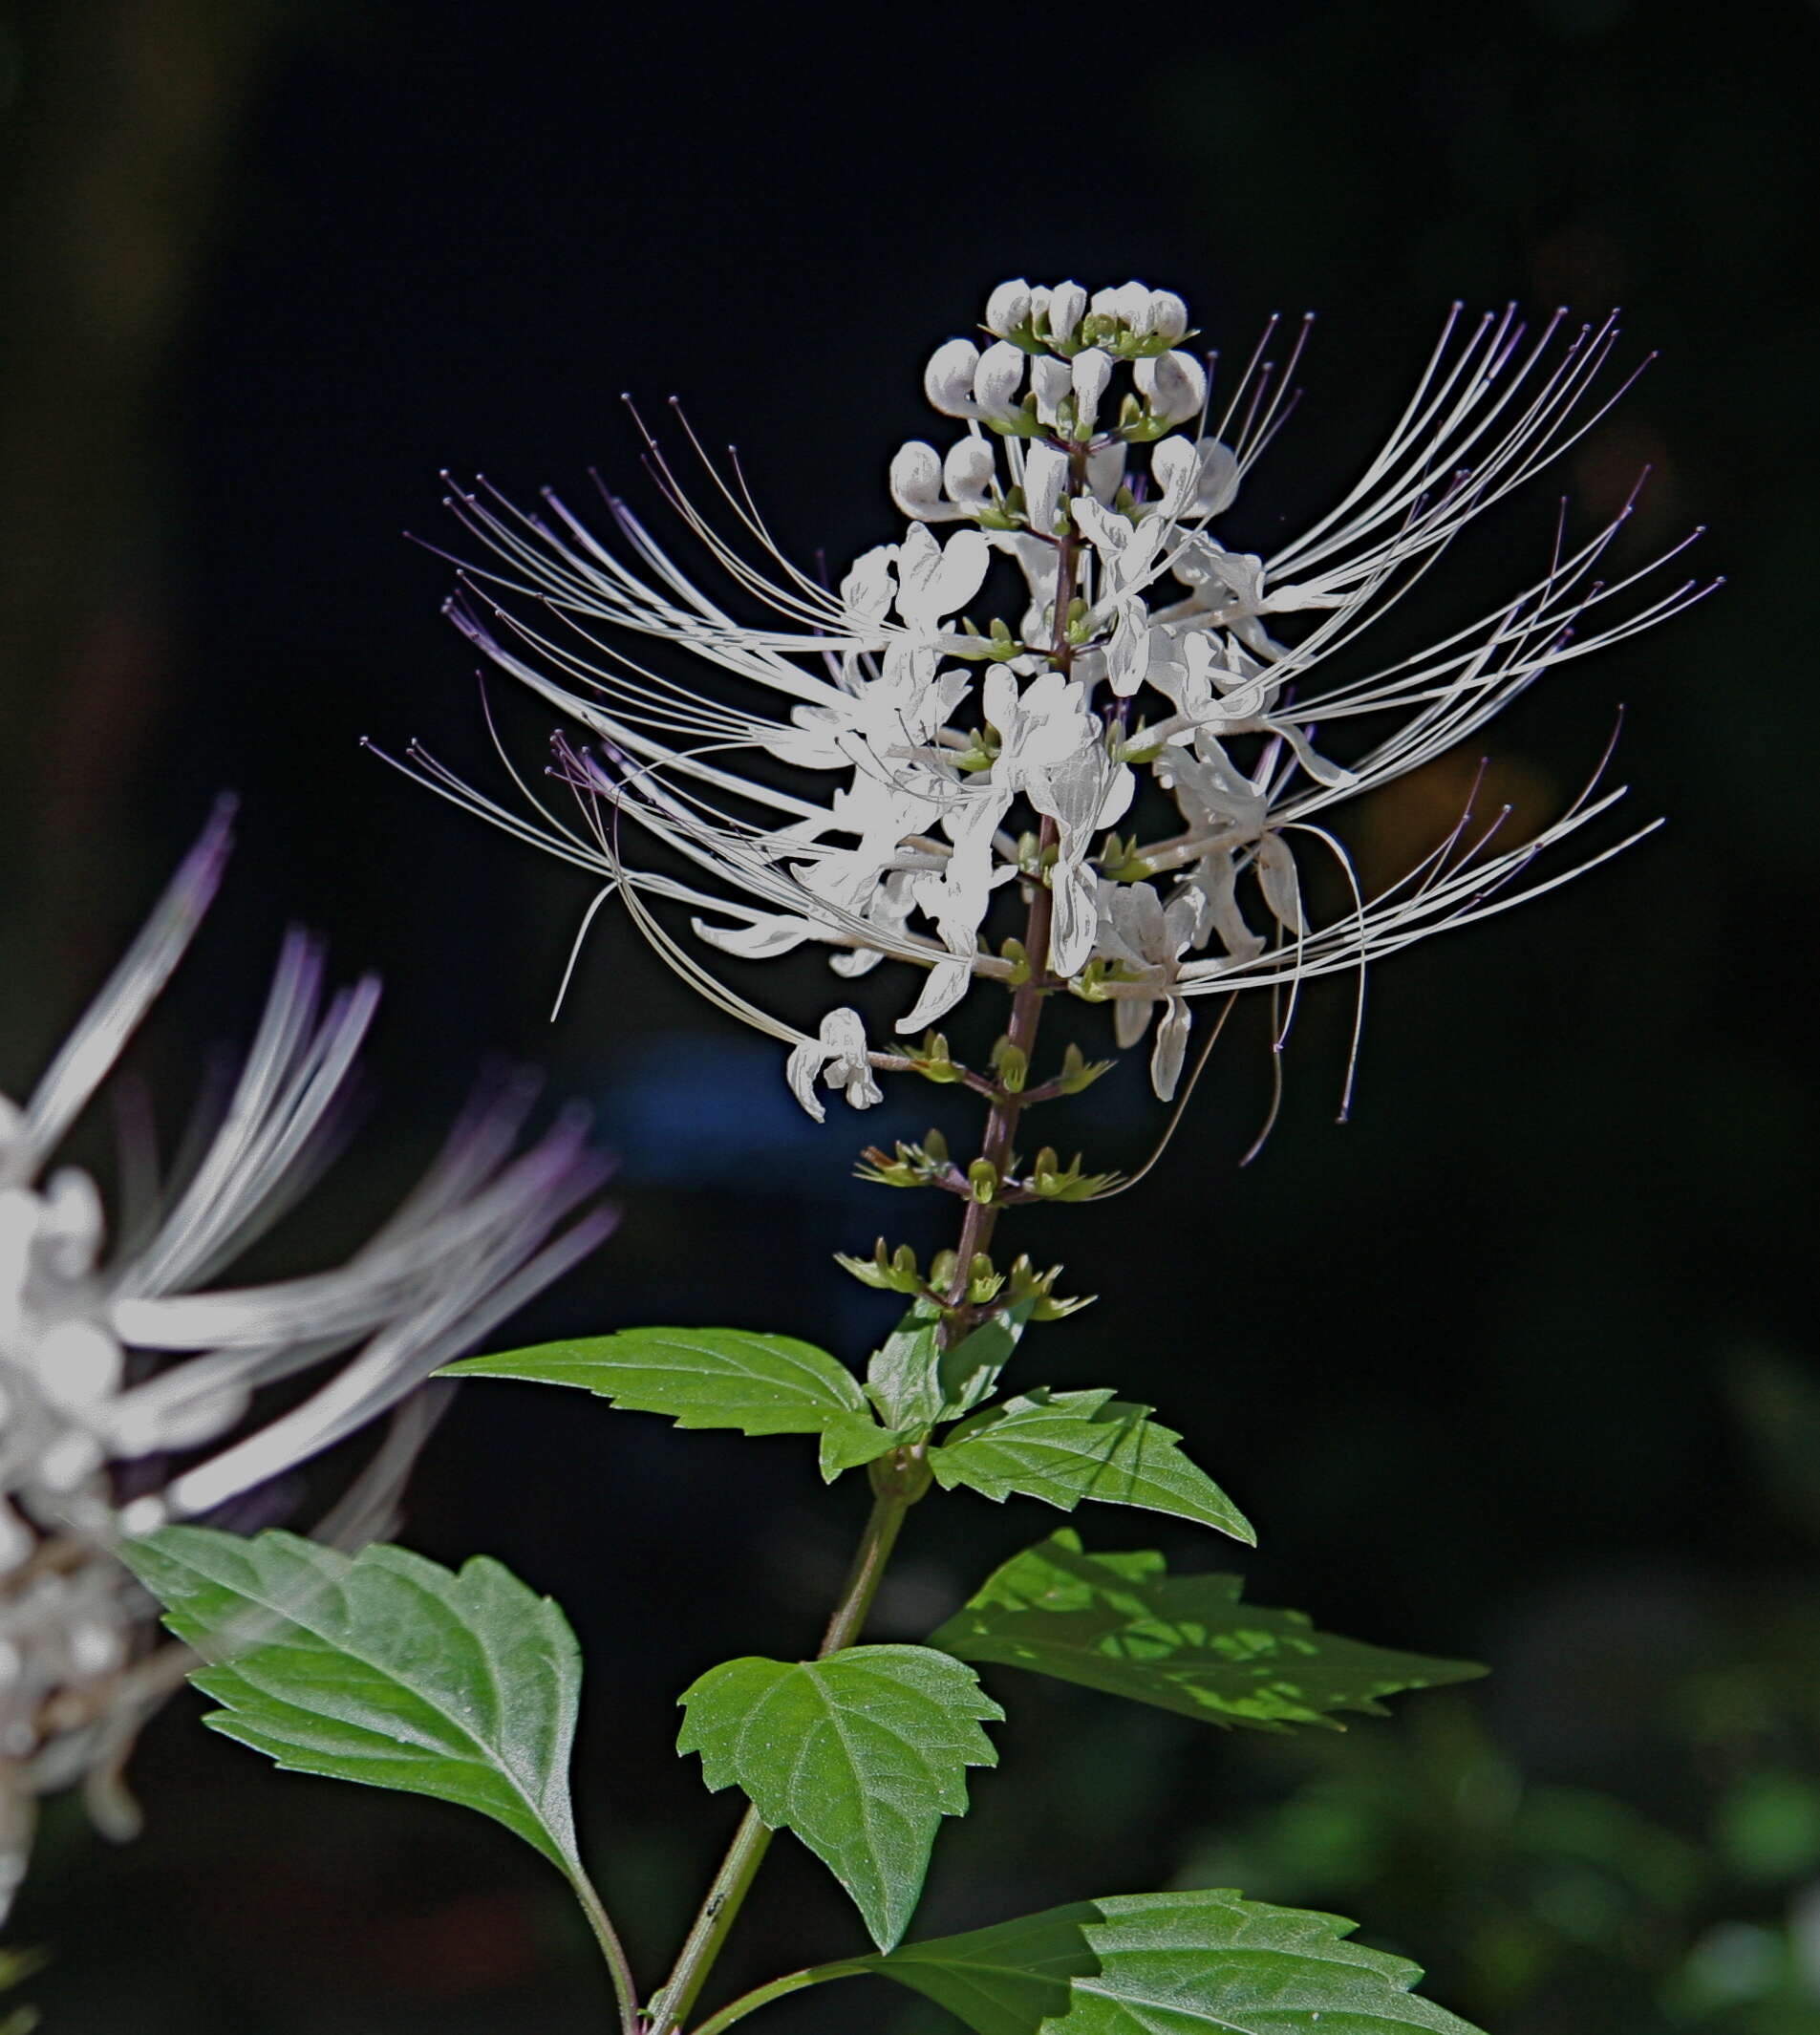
(1198, 1964)
(861, 1753)
(851, 1438)
(383, 1667)
(904, 1379)
(1063, 1446)
(701, 1377)
(968, 1372)
(1122, 1623)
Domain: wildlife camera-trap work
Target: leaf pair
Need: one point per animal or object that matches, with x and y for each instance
(388, 1669)
(1059, 1446)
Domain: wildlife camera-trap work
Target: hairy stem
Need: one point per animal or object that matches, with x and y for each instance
(611, 1948)
(897, 1486)
(899, 1479)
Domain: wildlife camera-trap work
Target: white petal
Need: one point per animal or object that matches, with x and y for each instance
(1045, 473)
(916, 479)
(996, 380)
(1176, 468)
(1076, 919)
(1218, 486)
(968, 470)
(763, 940)
(801, 1070)
(1171, 1046)
(1092, 370)
(1067, 302)
(938, 581)
(1106, 471)
(1165, 316)
(1049, 381)
(1174, 385)
(1008, 307)
(946, 986)
(868, 587)
(949, 378)
(1277, 878)
(1130, 1021)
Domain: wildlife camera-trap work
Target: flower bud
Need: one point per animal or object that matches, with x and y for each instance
(1008, 307)
(968, 471)
(948, 380)
(1045, 473)
(916, 479)
(1220, 479)
(1105, 472)
(1092, 372)
(1067, 301)
(1166, 317)
(1127, 303)
(1049, 382)
(1175, 466)
(1174, 385)
(995, 379)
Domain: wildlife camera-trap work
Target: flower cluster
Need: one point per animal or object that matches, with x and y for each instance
(128, 1379)
(1218, 701)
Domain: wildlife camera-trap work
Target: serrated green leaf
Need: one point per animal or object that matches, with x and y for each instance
(904, 1379)
(1123, 1624)
(966, 1374)
(1065, 1446)
(854, 1438)
(860, 1754)
(700, 1376)
(382, 1667)
(1196, 1963)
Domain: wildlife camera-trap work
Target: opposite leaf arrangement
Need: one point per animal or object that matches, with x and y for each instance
(1137, 680)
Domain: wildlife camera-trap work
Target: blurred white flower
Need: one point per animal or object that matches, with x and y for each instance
(129, 1380)
(1147, 661)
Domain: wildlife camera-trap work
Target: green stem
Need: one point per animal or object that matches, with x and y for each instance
(896, 1485)
(611, 1947)
(901, 1478)
(763, 1995)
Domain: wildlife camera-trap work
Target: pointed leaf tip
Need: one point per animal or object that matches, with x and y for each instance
(1065, 1446)
(699, 1376)
(1192, 1964)
(1121, 1624)
(860, 1754)
(382, 1667)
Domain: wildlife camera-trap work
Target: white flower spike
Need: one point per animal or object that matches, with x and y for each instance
(1152, 667)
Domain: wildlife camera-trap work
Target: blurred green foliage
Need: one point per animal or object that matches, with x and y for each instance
(1687, 1900)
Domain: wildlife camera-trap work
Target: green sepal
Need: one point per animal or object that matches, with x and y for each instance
(1190, 1964)
(1120, 1623)
(860, 1754)
(1065, 1446)
(381, 1667)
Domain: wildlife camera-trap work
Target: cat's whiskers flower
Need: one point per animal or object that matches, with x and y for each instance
(1084, 457)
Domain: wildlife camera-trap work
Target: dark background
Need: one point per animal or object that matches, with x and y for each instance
(1511, 1366)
